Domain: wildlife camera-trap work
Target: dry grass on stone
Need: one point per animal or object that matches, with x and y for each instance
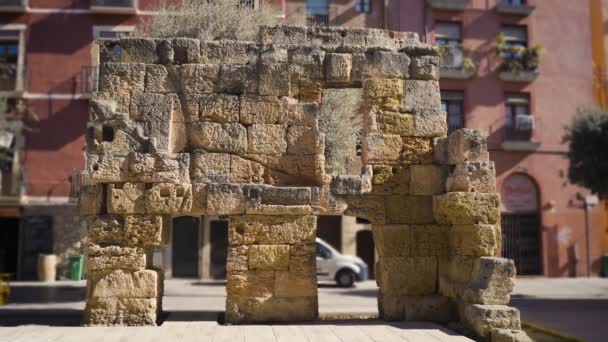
(209, 20)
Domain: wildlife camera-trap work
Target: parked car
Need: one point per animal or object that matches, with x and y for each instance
(343, 269)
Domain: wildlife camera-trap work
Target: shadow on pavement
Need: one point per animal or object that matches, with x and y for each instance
(191, 316)
(27, 294)
(210, 283)
(51, 317)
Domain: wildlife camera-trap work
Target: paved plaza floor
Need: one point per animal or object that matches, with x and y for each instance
(52, 312)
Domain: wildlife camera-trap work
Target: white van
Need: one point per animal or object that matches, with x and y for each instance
(343, 269)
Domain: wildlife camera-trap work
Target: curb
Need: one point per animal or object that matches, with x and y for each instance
(525, 325)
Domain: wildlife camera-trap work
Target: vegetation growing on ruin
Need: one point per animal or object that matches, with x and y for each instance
(209, 20)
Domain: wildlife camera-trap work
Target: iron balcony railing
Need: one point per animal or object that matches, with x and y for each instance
(13, 5)
(113, 3)
(317, 15)
(13, 77)
(89, 79)
(78, 180)
(522, 129)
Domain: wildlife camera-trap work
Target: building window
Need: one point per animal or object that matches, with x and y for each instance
(449, 37)
(108, 37)
(513, 2)
(363, 6)
(452, 102)
(518, 121)
(517, 37)
(11, 71)
(317, 12)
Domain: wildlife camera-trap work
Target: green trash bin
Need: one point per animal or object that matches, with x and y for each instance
(76, 267)
(605, 265)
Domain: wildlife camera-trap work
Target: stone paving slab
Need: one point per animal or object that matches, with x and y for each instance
(336, 331)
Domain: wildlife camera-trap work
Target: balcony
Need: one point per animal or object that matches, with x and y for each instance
(77, 181)
(449, 5)
(317, 15)
(89, 79)
(15, 6)
(114, 6)
(454, 65)
(518, 76)
(513, 9)
(519, 136)
(13, 80)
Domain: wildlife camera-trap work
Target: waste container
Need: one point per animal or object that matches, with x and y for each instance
(76, 267)
(47, 267)
(605, 265)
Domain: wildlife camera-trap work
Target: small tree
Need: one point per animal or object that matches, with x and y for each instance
(588, 138)
(209, 20)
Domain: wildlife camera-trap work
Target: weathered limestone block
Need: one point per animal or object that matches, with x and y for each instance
(425, 68)
(90, 200)
(256, 109)
(249, 230)
(350, 185)
(407, 209)
(382, 149)
(269, 257)
(108, 106)
(123, 284)
(304, 140)
(392, 240)
(105, 229)
(417, 151)
(115, 258)
(429, 240)
(238, 79)
(391, 64)
(493, 283)
(186, 50)
(421, 96)
(311, 59)
(225, 199)
(164, 48)
(245, 171)
(274, 309)
(472, 177)
(199, 78)
(278, 79)
(228, 52)
(159, 167)
(294, 113)
(294, 230)
(292, 170)
(266, 139)
(384, 93)
(510, 335)
(256, 285)
(155, 107)
(163, 79)
(473, 240)
(120, 311)
(143, 230)
(168, 198)
(215, 137)
(288, 196)
(116, 137)
(238, 258)
(389, 179)
(311, 91)
(483, 319)
(338, 67)
(466, 145)
(106, 169)
(210, 167)
(395, 123)
(199, 199)
(455, 273)
(166, 136)
(467, 208)
(273, 54)
(432, 308)
(371, 208)
(302, 258)
(138, 50)
(291, 284)
(127, 198)
(219, 108)
(430, 124)
(396, 276)
(427, 179)
(122, 77)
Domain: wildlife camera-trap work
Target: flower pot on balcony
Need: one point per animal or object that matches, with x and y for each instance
(449, 5)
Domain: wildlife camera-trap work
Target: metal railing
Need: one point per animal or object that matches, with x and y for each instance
(522, 129)
(317, 15)
(113, 3)
(13, 77)
(89, 79)
(78, 180)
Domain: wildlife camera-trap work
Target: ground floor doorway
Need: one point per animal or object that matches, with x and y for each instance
(366, 250)
(219, 248)
(521, 241)
(185, 246)
(9, 237)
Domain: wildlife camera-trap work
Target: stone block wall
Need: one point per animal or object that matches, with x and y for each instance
(183, 127)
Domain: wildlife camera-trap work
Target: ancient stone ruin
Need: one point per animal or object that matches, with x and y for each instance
(182, 127)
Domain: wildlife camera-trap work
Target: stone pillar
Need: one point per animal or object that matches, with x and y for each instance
(121, 290)
(271, 270)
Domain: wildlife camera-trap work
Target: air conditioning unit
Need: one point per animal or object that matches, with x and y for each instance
(524, 122)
